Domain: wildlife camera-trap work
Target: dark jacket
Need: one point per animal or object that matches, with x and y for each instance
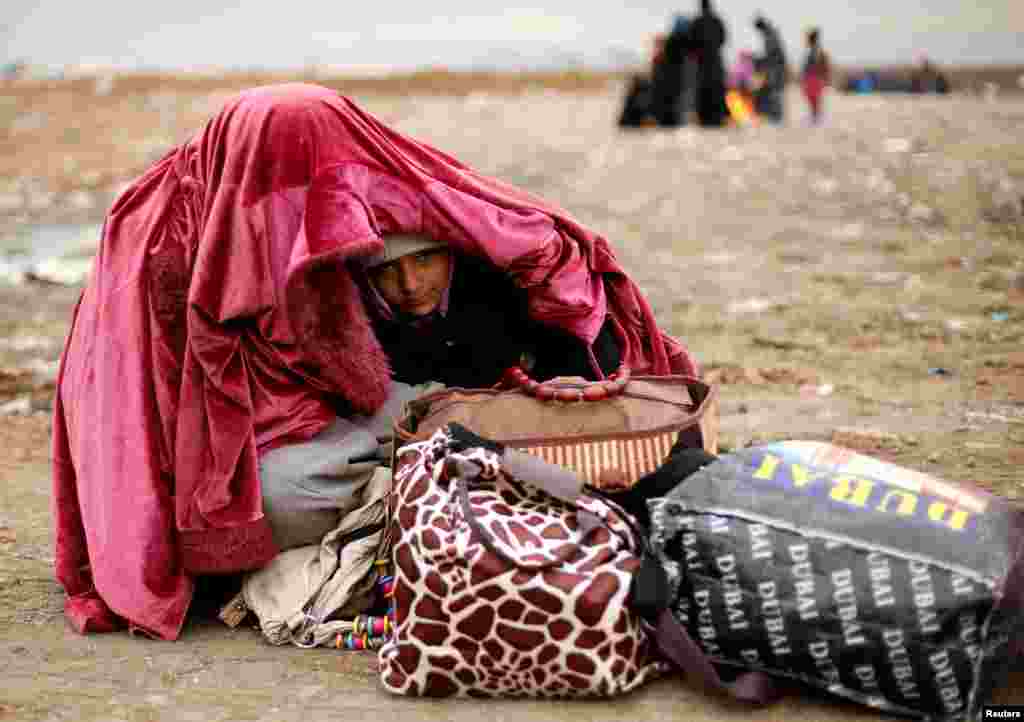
(773, 62)
(486, 330)
(669, 76)
(707, 36)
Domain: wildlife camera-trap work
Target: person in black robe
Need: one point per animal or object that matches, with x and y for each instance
(773, 67)
(664, 95)
(636, 106)
(670, 79)
(707, 35)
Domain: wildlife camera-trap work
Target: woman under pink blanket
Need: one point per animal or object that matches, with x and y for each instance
(221, 322)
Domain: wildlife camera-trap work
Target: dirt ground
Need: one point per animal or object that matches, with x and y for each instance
(860, 282)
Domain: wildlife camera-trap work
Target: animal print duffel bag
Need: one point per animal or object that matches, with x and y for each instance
(504, 588)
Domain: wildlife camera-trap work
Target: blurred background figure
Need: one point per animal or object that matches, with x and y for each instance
(741, 76)
(816, 75)
(638, 104)
(664, 96)
(739, 98)
(706, 37)
(772, 68)
(923, 77)
(927, 78)
(13, 70)
(674, 76)
(861, 81)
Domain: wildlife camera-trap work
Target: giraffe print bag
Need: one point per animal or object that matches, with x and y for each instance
(504, 590)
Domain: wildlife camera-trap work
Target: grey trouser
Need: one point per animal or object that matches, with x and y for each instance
(307, 487)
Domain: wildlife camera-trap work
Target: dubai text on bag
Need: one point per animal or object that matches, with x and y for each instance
(869, 580)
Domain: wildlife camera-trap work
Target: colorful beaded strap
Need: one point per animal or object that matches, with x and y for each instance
(371, 632)
(561, 389)
(367, 632)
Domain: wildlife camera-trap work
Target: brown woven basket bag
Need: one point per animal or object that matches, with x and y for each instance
(609, 432)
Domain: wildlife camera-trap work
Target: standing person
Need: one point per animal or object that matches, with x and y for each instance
(816, 75)
(773, 69)
(670, 76)
(927, 78)
(222, 353)
(707, 36)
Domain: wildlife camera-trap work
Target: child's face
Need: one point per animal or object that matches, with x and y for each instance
(414, 284)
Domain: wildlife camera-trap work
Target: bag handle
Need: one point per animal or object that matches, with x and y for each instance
(552, 482)
(462, 491)
(673, 641)
(563, 389)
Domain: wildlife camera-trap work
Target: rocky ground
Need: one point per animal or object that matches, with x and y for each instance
(860, 282)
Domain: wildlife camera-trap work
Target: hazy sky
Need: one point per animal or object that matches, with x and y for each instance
(199, 33)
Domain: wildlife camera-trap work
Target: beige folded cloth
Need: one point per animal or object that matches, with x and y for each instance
(307, 595)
